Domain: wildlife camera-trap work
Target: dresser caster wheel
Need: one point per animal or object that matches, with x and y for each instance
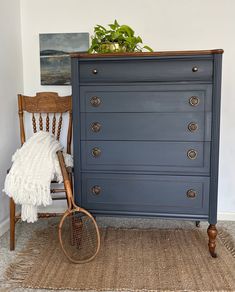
(197, 223)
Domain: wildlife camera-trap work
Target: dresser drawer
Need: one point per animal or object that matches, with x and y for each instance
(146, 126)
(145, 193)
(149, 156)
(145, 70)
(158, 98)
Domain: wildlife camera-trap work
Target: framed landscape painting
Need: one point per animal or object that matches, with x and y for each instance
(54, 55)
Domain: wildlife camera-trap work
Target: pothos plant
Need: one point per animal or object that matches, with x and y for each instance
(116, 38)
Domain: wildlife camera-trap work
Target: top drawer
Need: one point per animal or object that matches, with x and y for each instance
(145, 70)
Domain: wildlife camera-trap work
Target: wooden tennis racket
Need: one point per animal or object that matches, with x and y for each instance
(78, 231)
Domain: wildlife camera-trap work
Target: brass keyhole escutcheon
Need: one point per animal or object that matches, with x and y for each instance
(194, 100)
(192, 127)
(191, 194)
(95, 127)
(96, 190)
(96, 152)
(192, 154)
(95, 101)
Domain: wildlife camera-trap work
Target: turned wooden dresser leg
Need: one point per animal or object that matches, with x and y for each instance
(212, 233)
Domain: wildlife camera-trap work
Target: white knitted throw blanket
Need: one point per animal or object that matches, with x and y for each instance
(35, 165)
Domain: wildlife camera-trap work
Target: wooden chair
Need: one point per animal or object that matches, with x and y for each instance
(44, 106)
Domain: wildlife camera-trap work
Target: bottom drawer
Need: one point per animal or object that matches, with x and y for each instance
(145, 193)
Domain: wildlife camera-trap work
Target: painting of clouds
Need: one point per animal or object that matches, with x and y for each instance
(54, 55)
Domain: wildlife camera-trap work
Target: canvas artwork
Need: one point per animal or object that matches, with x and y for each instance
(54, 55)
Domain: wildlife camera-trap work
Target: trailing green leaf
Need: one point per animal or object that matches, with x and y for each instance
(148, 48)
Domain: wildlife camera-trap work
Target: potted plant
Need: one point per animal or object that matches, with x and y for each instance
(116, 38)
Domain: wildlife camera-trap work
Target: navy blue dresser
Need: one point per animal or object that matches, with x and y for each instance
(146, 134)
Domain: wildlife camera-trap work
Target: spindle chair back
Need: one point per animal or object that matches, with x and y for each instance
(49, 104)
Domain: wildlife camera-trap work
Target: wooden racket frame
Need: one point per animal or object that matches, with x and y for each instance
(72, 207)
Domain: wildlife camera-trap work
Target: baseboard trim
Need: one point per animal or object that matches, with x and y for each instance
(4, 226)
(228, 216)
(52, 209)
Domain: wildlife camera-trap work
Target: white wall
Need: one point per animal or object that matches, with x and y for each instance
(164, 25)
(11, 83)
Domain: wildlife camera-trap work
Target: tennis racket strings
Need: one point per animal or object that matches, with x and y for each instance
(79, 236)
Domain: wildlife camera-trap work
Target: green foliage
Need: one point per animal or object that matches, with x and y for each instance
(116, 38)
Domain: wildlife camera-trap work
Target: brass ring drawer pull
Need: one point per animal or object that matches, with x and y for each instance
(96, 190)
(95, 101)
(96, 152)
(95, 71)
(191, 194)
(192, 127)
(195, 69)
(95, 127)
(192, 154)
(194, 100)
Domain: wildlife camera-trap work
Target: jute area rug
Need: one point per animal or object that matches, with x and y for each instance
(129, 259)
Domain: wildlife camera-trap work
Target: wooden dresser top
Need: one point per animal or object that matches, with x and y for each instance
(148, 54)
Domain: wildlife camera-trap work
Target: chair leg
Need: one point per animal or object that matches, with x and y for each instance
(12, 224)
